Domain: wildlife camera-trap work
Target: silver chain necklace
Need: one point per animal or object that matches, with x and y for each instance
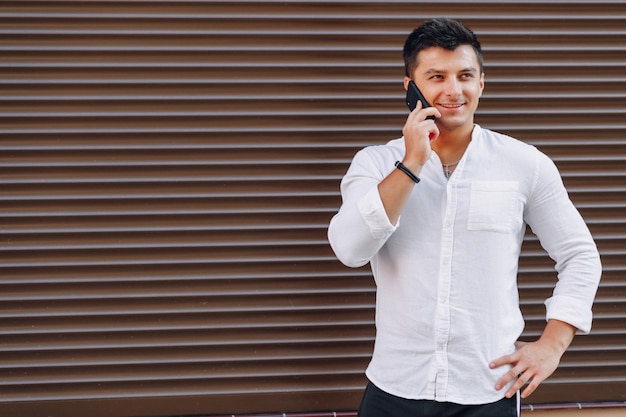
(446, 168)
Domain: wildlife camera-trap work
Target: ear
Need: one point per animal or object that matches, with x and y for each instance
(482, 83)
(406, 83)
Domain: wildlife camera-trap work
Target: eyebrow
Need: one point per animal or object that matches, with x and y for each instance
(436, 71)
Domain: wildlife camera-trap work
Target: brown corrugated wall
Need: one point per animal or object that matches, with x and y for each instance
(168, 170)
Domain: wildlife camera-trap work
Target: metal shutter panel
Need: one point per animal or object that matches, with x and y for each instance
(168, 170)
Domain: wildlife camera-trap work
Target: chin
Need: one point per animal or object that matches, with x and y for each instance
(452, 123)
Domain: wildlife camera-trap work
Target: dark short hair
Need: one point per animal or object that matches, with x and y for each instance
(442, 32)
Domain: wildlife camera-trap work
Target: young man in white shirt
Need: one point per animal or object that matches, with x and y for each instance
(440, 214)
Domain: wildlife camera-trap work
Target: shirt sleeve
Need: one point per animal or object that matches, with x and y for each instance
(565, 236)
(361, 227)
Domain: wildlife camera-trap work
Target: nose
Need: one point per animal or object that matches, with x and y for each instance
(453, 87)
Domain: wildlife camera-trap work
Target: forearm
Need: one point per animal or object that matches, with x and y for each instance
(395, 191)
(557, 335)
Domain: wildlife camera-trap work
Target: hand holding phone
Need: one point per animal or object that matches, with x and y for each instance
(413, 95)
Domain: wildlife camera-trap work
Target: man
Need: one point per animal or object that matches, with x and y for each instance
(440, 214)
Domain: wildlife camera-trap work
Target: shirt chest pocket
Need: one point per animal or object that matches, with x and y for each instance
(494, 206)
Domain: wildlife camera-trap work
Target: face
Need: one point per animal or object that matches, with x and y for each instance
(452, 82)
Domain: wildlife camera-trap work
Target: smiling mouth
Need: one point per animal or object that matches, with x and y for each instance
(452, 106)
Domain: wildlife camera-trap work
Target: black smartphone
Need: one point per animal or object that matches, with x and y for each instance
(413, 94)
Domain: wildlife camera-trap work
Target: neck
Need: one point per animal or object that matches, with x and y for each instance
(451, 145)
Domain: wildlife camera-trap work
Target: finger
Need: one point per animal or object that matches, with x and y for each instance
(534, 383)
(413, 118)
(421, 113)
(433, 133)
(504, 360)
(432, 111)
(511, 375)
(417, 109)
(521, 381)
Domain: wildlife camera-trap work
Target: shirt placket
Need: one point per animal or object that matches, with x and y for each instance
(442, 328)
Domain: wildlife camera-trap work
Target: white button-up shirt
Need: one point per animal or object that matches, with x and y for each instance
(447, 301)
